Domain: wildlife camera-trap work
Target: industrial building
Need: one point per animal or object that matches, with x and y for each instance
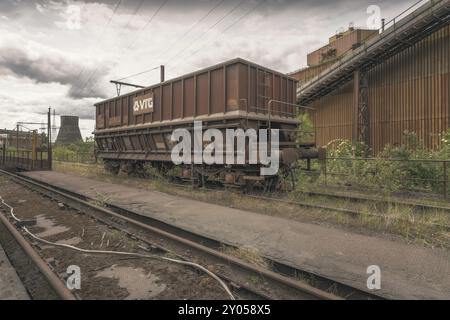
(371, 86)
(19, 139)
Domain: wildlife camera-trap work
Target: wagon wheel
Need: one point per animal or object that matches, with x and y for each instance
(198, 177)
(111, 167)
(249, 186)
(286, 178)
(271, 184)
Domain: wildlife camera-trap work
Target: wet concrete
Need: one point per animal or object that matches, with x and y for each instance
(11, 288)
(407, 271)
(49, 226)
(138, 283)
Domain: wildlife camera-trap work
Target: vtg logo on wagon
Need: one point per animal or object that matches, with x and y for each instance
(143, 104)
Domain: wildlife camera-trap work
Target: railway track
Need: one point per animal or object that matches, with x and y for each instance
(40, 280)
(353, 212)
(282, 197)
(377, 199)
(273, 281)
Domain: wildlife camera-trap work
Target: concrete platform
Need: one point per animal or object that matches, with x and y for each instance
(407, 271)
(11, 288)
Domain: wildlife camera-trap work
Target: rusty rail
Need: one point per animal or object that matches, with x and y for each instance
(307, 290)
(442, 178)
(53, 280)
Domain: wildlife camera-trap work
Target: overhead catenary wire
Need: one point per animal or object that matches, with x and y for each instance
(191, 28)
(227, 28)
(120, 253)
(89, 79)
(139, 73)
(209, 29)
(149, 21)
(167, 49)
(98, 40)
(136, 10)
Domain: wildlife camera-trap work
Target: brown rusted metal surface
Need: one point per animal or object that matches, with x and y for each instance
(340, 44)
(234, 94)
(409, 91)
(236, 85)
(57, 285)
(305, 74)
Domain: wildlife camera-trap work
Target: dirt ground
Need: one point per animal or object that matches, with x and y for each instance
(409, 270)
(104, 276)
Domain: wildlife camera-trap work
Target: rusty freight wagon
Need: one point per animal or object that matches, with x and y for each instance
(135, 129)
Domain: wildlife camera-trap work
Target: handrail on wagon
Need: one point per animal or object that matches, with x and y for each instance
(269, 108)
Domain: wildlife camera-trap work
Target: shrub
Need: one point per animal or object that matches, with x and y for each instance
(396, 168)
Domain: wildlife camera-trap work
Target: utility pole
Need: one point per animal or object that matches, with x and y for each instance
(162, 73)
(17, 140)
(34, 150)
(49, 138)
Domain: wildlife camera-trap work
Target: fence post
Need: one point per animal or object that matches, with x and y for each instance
(323, 162)
(445, 178)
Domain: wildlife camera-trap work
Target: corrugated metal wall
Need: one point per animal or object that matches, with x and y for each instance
(410, 91)
(333, 115)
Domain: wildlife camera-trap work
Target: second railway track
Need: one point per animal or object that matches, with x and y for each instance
(273, 281)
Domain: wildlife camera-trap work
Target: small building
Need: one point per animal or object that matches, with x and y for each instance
(21, 139)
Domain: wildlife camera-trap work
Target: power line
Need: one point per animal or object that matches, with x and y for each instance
(210, 28)
(138, 74)
(177, 40)
(148, 23)
(136, 10)
(192, 27)
(98, 41)
(89, 79)
(131, 44)
(229, 27)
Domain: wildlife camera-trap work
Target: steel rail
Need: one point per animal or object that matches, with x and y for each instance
(308, 291)
(56, 284)
(362, 198)
(343, 210)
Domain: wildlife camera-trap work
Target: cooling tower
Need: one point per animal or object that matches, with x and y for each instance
(69, 131)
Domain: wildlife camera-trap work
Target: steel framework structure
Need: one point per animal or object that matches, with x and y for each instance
(402, 34)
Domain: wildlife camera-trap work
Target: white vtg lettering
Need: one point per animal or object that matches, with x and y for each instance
(145, 104)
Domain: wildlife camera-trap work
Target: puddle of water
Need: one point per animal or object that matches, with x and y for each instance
(72, 241)
(138, 283)
(49, 226)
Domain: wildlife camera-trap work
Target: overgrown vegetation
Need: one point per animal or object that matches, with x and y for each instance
(82, 151)
(391, 220)
(407, 167)
(305, 134)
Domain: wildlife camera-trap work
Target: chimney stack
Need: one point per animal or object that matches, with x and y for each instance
(69, 131)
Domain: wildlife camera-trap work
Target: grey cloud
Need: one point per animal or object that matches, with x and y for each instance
(8, 6)
(267, 6)
(55, 68)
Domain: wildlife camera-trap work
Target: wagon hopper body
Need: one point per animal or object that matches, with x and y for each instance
(136, 128)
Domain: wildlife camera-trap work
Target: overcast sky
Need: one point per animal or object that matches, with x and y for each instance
(63, 53)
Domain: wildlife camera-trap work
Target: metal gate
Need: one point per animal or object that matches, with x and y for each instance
(24, 149)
